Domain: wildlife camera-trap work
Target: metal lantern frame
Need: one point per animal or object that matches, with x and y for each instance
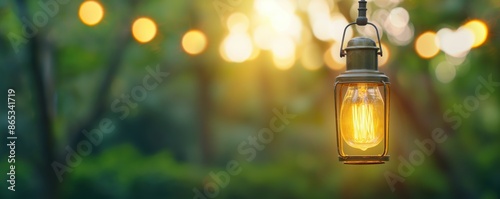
(341, 84)
(362, 70)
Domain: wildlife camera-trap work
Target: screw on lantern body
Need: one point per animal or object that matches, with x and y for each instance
(361, 109)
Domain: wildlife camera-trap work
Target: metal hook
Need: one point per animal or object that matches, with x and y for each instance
(342, 53)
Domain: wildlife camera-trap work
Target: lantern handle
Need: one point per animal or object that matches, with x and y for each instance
(342, 51)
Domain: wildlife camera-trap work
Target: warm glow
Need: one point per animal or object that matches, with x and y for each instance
(222, 52)
(427, 45)
(266, 7)
(335, 52)
(237, 47)
(338, 22)
(328, 28)
(91, 12)
(321, 20)
(238, 22)
(194, 42)
(281, 22)
(144, 29)
(362, 114)
(255, 54)
(263, 36)
(332, 57)
(283, 47)
(284, 63)
(311, 57)
(283, 52)
(273, 7)
(480, 31)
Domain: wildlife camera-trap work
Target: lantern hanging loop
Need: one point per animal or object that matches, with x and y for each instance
(362, 20)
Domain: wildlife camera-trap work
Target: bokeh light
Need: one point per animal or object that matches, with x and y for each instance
(321, 21)
(445, 72)
(382, 60)
(369, 31)
(238, 22)
(396, 24)
(402, 36)
(284, 63)
(283, 50)
(332, 57)
(277, 27)
(339, 22)
(283, 47)
(480, 31)
(194, 42)
(280, 14)
(255, 54)
(281, 22)
(380, 16)
(266, 7)
(455, 43)
(263, 36)
(399, 17)
(294, 28)
(383, 3)
(427, 45)
(144, 29)
(91, 12)
(237, 47)
(311, 57)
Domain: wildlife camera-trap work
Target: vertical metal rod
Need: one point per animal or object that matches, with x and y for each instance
(386, 117)
(337, 120)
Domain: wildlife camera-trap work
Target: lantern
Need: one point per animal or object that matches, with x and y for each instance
(362, 101)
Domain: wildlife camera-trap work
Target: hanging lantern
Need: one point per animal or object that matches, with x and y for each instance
(362, 101)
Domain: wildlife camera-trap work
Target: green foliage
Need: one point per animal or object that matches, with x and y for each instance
(122, 172)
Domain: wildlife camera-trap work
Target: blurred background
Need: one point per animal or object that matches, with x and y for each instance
(230, 63)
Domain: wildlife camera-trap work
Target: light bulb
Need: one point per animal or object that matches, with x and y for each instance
(362, 113)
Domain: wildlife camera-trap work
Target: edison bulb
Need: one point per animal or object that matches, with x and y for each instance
(362, 113)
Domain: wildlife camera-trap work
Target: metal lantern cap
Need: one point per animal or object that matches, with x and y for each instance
(362, 62)
(361, 42)
(361, 53)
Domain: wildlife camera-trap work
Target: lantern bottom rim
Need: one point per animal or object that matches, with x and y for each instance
(360, 160)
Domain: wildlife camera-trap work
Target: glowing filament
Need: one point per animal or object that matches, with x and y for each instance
(364, 129)
(362, 115)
